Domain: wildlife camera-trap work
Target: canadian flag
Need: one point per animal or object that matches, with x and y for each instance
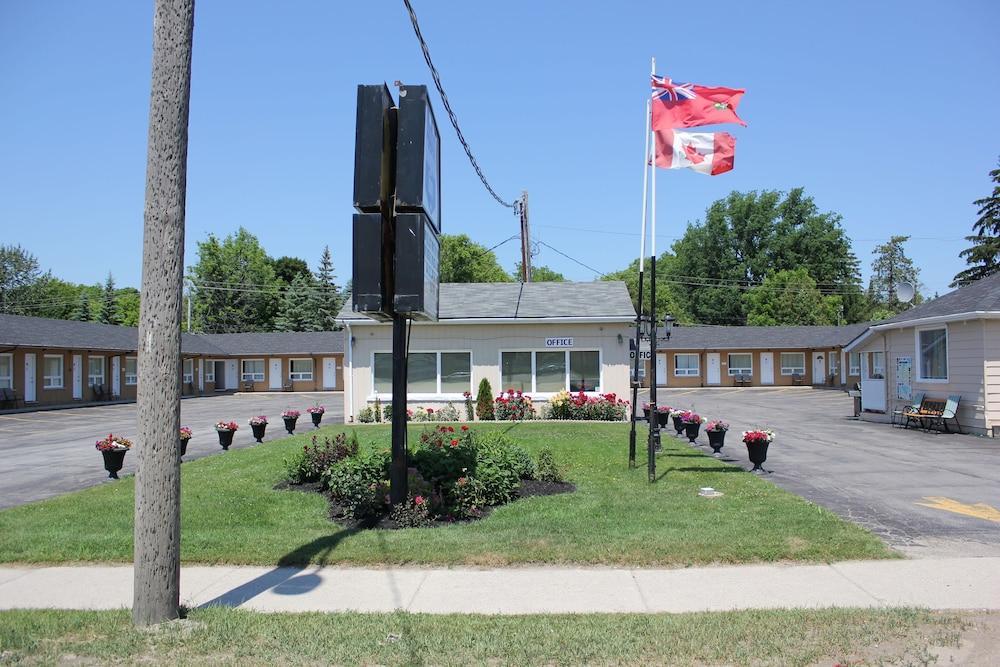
(706, 152)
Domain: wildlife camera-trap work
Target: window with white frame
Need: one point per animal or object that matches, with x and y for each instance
(876, 367)
(300, 369)
(252, 370)
(793, 363)
(52, 372)
(854, 363)
(686, 364)
(6, 371)
(188, 372)
(95, 371)
(210, 371)
(131, 371)
(435, 373)
(741, 363)
(932, 354)
(584, 370)
(834, 363)
(550, 371)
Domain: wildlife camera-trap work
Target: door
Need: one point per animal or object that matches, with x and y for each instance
(231, 374)
(819, 368)
(661, 370)
(767, 367)
(116, 376)
(30, 391)
(220, 375)
(329, 372)
(274, 374)
(77, 377)
(201, 376)
(872, 389)
(714, 368)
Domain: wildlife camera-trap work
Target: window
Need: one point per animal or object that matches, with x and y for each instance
(95, 371)
(876, 369)
(834, 363)
(253, 370)
(551, 371)
(515, 371)
(52, 370)
(854, 363)
(6, 371)
(131, 371)
(428, 373)
(210, 371)
(741, 364)
(300, 369)
(686, 364)
(932, 354)
(188, 370)
(793, 363)
(584, 371)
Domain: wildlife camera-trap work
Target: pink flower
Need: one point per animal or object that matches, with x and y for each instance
(418, 500)
(454, 443)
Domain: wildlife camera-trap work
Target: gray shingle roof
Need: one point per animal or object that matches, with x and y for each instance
(526, 300)
(784, 338)
(289, 342)
(982, 295)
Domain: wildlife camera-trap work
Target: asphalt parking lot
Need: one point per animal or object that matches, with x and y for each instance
(49, 452)
(930, 494)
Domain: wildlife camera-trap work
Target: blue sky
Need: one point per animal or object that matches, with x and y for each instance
(884, 112)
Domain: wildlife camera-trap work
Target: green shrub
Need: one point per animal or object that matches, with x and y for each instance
(387, 412)
(484, 401)
(365, 415)
(468, 497)
(448, 413)
(470, 407)
(359, 485)
(444, 454)
(313, 460)
(521, 460)
(414, 513)
(548, 469)
(377, 409)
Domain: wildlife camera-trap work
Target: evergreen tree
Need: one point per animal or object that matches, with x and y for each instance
(790, 298)
(299, 309)
(109, 311)
(329, 298)
(890, 267)
(82, 313)
(983, 257)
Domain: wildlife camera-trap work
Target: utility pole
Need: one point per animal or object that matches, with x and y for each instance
(156, 596)
(525, 239)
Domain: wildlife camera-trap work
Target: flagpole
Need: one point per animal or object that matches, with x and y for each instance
(654, 424)
(642, 260)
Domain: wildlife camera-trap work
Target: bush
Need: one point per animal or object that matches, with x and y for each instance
(414, 513)
(448, 413)
(359, 484)
(310, 463)
(377, 409)
(470, 408)
(484, 401)
(514, 406)
(365, 415)
(548, 469)
(496, 471)
(604, 407)
(444, 454)
(468, 497)
(524, 466)
(387, 412)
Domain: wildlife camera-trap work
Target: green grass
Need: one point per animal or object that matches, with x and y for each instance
(231, 514)
(221, 636)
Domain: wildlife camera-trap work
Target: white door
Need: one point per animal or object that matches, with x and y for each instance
(274, 374)
(714, 368)
(201, 376)
(77, 377)
(329, 372)
(661, 370)
(116, 376)
(230, 374)
(872, 390)
(819, 368)
(30, 394)
(767, 367)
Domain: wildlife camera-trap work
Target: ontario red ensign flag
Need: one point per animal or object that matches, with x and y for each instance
(692, 105)
(705, 152)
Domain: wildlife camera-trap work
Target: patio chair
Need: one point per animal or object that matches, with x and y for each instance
(911, 413)
(950, 412)
(98, 390)
(796, 379)
(287, 386)
(9, 399)
(248, 385)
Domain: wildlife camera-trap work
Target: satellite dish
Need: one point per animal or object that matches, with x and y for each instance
(905, 292)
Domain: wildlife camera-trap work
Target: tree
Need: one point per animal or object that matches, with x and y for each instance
(464, 261)
(667, 301)
(539, 274)
(287, 268)
(156, 589)
(83, 310)
(235, 285)
(790, 298)
(18, 273)
(108, 313)
(329, 296)
(890, 267)
(983, 257)
(484, 401)
(299, 307)
(127, 304)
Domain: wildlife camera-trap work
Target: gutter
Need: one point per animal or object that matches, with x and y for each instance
(607, 319)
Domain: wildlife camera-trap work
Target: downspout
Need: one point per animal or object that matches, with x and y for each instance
(349, 404)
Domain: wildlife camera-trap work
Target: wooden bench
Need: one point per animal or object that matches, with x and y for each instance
(934, 412)
(742, 380)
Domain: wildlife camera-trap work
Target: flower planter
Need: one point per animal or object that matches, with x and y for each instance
(184, 446)
(691, 430)
(317, 417)
(758, 454)
(645, 413)
(258, 431)
(716, 439)
(663, 418)
(114, 459)
(225, 439)
(678, 425)
(290, 424)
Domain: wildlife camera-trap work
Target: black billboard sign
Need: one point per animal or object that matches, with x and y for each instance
(416, 267)
(418, 156)
(373, 138)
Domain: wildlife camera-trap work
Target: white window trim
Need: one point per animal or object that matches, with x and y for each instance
(301, 376)
(10, 365)
(90, 378)
(947, 357)
(687, 372)
(741, 370)
(253, 377)
(851, 368)
(131, 379)
(793, 370)
(872, 367)
(425, 396)
(61, 376)
(210, 370)
(544, 395)
(185, 376)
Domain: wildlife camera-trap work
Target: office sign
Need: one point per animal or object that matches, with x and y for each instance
(558, 342)
(644, 355)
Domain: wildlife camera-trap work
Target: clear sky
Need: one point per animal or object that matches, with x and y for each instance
(885, 112)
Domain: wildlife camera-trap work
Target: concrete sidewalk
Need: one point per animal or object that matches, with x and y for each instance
(954, 583)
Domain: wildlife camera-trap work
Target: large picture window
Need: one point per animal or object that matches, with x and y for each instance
(932, 354)
(300, 369)
(793, 363)
(6, 371)
(584, 371)
(686, 365)
(427, 373)
(456, 372)
(741, 363)
(252, 370)
(550, 371)
(95, 371)
(52, 372)
(515, 371)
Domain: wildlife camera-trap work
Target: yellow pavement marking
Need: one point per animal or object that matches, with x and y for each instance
(977, 510)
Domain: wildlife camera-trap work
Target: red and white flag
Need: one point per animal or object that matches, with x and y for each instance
(692, 105)
(706, 152)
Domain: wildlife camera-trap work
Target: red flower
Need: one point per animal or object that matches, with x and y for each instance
(465, 427)
(451, 429)
(454, 443)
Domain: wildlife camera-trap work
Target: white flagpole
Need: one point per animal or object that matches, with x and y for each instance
(653, 443)
(645, 189)
(653, 167)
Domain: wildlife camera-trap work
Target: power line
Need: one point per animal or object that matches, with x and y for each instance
(600, 273)
(447, 107)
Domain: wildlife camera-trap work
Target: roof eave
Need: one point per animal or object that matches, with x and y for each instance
(605, 319)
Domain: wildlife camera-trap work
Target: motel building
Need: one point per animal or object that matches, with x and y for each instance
(539, 338)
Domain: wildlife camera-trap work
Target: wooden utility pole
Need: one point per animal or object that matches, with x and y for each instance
(525, 240)
(156, 595)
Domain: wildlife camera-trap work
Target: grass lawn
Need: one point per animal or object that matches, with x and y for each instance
(220, 636)
(231, 514)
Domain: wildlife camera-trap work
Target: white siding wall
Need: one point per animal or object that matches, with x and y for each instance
(485, 341)
(991, 371)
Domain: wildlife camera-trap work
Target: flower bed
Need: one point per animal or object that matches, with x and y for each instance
(579, 406)
(514, 405)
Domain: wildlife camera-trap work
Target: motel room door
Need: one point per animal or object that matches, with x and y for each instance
(274, 374)
(77, 377)
(30, 390)
(116, 377)
(661, 370)
(329, 372)
(714, 368)
(231, 374)
(767, 367)
(819, 368)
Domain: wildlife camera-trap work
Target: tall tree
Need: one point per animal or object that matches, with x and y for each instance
(891, 267)
(790, 297)
(667, 301)
(83, 310)
(287, 268)
(983, 257)
(539, 274)
(109, 306)
(127, 303)
(18, 273)
(464, 261)
(299, 309)
(157, 539)
(235, 286)
(329, 296)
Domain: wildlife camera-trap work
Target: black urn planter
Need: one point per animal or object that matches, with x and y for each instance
(258, 431)
(678, 425)
(691, 430)
(317, 417)
(226, 439)
(662, 418)
(716, 439)
(645, 412)
(758, 454)
(114, 459)
(290, 424)
(184, 446)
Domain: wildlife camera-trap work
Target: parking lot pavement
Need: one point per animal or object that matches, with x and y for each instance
(46, 453)
(927, 494)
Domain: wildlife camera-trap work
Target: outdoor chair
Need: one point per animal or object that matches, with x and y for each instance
(950, 411)
(9, 399)
(287, 386)
(743, 380)
(98, 390)
(796, 379)
(248, 386)
(904, 416)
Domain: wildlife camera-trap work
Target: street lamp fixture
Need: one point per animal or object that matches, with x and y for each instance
(668, 326)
